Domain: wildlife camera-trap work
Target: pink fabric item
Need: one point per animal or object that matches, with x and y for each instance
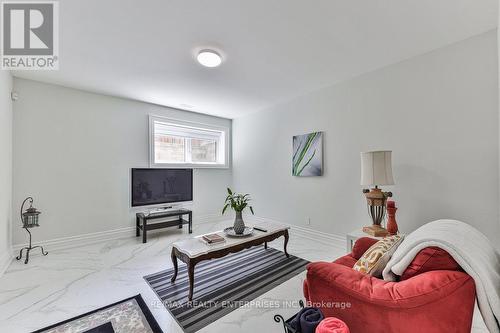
(332, 325)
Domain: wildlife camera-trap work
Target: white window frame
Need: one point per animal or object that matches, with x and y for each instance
(193, 125)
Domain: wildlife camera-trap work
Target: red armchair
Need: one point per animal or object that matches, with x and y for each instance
(434, 294)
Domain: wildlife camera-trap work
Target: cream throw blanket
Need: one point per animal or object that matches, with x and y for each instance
(470, 249)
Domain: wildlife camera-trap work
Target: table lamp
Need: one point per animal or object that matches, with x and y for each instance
(376, 170)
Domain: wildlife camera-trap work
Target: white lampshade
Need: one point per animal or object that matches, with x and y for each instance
(376, 168)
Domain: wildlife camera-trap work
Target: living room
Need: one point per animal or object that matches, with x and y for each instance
(153, 132)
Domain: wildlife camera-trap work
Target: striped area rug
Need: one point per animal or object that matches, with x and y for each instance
(222, 285)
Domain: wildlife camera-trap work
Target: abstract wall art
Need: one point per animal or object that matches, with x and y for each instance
(308, 154)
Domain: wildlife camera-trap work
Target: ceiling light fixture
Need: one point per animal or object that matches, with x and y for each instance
(209, 58)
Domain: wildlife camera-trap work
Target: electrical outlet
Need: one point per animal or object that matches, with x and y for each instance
(308, 222)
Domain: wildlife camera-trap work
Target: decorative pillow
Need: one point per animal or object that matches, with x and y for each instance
(376, 257)
(361, 245)
(430, 259)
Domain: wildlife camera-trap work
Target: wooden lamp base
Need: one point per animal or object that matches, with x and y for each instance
(376, 200)
(376, 231)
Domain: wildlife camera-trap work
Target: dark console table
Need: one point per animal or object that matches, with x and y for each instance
(142, 221)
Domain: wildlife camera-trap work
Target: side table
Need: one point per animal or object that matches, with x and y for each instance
(354, 235)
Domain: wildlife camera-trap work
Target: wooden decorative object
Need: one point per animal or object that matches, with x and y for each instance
(392, 225)
(376, 231)
(376, 201)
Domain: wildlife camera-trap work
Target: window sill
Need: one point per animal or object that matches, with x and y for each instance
(189, 166)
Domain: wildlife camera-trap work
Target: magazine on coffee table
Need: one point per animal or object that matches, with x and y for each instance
(212, 239)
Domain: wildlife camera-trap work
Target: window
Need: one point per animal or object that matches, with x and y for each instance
(180, 143)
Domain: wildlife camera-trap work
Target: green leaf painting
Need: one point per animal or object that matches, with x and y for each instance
(307, 157)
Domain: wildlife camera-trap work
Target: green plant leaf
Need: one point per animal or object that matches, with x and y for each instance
(225, 208)
(307, 163)
(237, 202)
(296, 151)
(251, 209)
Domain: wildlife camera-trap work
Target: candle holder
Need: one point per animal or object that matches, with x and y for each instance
(29, 220)
(392, 225)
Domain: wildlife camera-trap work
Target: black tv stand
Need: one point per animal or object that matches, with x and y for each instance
(142, 219)
(161, 209)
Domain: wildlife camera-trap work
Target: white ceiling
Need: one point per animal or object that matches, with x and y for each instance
(273, 50)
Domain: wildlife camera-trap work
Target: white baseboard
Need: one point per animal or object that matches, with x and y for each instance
(129, 232)
(101, 236)
(5, 260)
(81, 240)
(322, 237)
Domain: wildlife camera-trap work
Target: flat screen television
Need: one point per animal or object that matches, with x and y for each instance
(161, 186)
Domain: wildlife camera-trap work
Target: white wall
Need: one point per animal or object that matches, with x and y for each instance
(73, 152)
(5, 168)
(498, 64)
(438, 113)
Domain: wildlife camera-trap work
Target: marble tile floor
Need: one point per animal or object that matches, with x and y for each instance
(70, 282)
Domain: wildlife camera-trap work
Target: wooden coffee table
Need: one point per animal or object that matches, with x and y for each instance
(193, 250)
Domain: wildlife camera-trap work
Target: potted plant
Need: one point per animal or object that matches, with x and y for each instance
(238, 202)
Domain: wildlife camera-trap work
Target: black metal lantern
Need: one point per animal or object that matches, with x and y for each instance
(29, 219)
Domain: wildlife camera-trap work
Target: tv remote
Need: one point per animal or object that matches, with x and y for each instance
(260, 229)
